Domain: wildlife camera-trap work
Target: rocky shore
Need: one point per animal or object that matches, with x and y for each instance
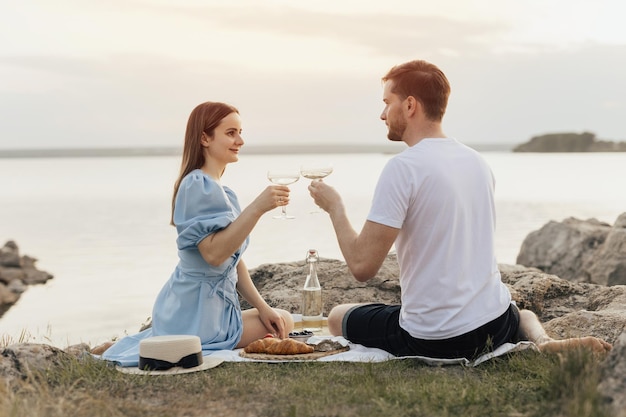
(570, 273)
(16, 274)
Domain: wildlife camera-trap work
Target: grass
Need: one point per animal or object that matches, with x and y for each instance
(524, 384)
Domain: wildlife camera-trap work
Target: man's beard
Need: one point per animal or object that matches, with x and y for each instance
(396, 130)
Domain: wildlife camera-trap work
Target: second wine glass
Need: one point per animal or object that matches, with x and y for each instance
(316, 171)
(283, 177)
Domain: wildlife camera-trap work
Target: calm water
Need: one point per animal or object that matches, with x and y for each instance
(100, 225)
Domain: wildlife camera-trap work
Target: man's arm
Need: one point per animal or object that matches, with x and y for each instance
(364, 252)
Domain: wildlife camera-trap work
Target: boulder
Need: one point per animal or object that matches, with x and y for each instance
(613, 377)
(9, 255)
(17, 361)
(579, 250)
(281, 284)
(8, 297)
(16, 273)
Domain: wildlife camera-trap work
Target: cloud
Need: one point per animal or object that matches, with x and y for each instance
(141, 96)
(385, 34)
(381, 33)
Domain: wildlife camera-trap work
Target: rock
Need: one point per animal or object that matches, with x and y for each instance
(613, 377)
(608, 266)
(79, 351)
(9, 255)
(19, 360)
(281, 284)
(34, 276)
(7, 298)
(17, 286)
(16, 273)
(579, 250)
(9, 274)
(569, 142)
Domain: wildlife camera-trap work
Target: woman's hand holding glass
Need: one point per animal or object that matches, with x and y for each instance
(283, 177)
(273, 196)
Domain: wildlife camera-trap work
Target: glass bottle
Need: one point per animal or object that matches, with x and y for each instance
(312, 295)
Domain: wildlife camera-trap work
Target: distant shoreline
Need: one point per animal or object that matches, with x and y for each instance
(247, 150)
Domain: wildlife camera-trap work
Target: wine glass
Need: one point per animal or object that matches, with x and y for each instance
(283, 177)
(316, 171)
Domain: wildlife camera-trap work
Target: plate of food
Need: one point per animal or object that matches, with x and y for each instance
(274, 349)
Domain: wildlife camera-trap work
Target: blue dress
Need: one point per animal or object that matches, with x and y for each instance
(198, 299)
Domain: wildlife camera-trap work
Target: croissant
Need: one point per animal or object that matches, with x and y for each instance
(289, 347)
(275, 346)
(260, 345)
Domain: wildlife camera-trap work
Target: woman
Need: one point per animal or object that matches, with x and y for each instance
(200, 298)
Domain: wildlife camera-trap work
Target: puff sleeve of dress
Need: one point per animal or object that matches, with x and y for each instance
(202, 207)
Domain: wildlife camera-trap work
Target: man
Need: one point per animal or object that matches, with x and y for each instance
(435, 201)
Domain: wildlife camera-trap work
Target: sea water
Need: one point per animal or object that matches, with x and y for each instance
(101, 225)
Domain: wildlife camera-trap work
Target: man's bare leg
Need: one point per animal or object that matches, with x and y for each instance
(335, 318)
(530, 328)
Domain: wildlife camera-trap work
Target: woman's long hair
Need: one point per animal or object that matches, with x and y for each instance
(203, 119)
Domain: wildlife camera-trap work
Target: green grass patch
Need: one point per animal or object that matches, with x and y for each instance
(523, 384)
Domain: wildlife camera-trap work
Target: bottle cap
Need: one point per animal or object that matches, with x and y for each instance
(312, 255)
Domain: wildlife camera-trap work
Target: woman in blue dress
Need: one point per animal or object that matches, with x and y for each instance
(201, 296)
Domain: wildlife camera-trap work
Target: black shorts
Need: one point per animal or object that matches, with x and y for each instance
(378, 325)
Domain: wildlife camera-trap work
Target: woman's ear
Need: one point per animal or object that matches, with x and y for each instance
(205, 140)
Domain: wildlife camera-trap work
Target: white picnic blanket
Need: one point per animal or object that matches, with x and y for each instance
(360, 353)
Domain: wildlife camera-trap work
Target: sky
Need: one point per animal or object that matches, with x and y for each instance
(127, 73)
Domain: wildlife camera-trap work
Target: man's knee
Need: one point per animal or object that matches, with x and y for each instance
(335, 320)
(528, 317)
(336, 316)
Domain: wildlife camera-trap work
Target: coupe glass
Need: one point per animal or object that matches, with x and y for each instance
(316, 171)
(283, 177)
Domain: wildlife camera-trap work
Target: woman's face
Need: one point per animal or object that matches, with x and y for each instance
(226, 142)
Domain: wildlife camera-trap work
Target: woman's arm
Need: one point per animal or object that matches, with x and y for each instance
(269, 317)
(217, 247)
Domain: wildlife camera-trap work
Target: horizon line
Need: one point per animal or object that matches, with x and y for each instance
(274, 149)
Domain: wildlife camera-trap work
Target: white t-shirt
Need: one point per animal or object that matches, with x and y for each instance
(439, 193)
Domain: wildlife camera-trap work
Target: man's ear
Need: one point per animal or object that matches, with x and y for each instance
(411, 105)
